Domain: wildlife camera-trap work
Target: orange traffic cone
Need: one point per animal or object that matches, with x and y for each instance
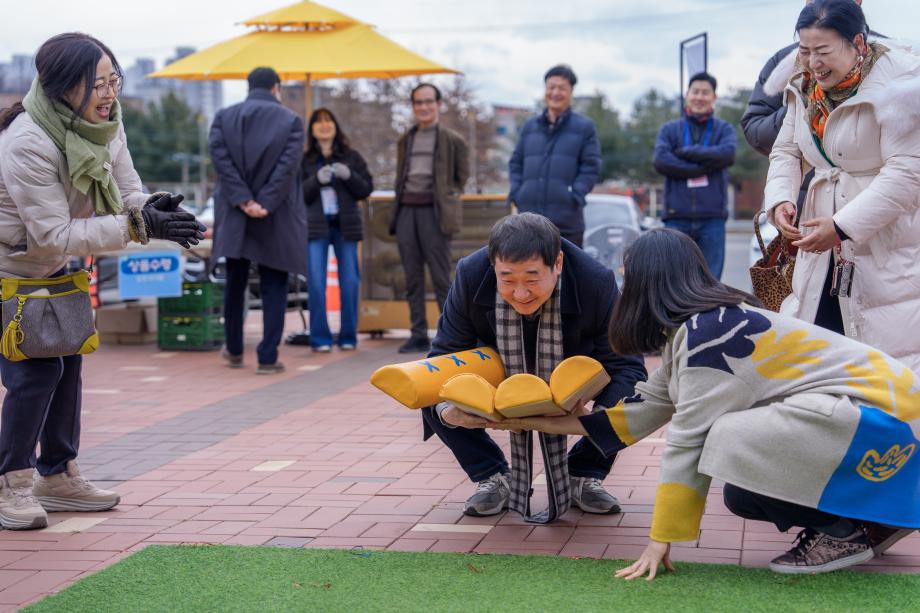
(333, 296)
(93, 284)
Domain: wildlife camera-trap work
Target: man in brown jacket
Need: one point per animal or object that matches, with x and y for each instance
(432, 165)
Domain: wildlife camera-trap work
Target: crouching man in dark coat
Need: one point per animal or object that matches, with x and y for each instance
(259, 215)
(531, 289)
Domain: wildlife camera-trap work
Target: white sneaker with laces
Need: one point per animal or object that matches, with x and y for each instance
(19, 510)
(69, 491)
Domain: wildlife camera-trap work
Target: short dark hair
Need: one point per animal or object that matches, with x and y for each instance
(561, 70)
(705, 76)
(437, 92)
(62, 63)
(516, 238)
(263, 78)
(665, 282)
(845, 17)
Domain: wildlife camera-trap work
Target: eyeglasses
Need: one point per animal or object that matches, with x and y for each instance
(114, 85)
(426, 102)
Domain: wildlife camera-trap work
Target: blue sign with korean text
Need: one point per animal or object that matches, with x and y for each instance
(147, 274)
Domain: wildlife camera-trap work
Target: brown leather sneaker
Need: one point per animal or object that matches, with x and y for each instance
(69, 491)
(882, 537)
(816, 552)
(19, 510)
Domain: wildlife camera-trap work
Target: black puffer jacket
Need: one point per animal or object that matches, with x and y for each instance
(351, 191)
(764, 115)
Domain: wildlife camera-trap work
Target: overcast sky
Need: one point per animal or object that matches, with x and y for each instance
(618, 47)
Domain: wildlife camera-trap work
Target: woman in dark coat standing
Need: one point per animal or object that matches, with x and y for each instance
(335, 179)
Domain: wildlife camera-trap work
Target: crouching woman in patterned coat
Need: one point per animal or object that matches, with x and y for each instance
(806, 427)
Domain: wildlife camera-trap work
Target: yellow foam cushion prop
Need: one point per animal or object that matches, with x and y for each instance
(472, 394)
(577, 378)
(524, 395)
(418, 384)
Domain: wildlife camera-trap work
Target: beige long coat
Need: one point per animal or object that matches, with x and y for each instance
(43, 218)
(873, 192)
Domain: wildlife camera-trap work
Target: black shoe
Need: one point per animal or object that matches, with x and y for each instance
(270, 369)
(233, 361)
(882, 537)
(416, 345)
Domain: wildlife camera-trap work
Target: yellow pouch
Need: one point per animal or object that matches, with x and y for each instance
(417, 384)
(47, 318)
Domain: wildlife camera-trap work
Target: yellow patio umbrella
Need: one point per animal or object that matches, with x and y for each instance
(305, 41)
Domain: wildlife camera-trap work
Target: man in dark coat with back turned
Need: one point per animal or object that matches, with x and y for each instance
(259, 215)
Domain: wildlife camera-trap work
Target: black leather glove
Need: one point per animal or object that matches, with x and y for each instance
(164, 201)
(176, 226)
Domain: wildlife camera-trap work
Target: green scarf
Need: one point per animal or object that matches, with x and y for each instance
(84, 146)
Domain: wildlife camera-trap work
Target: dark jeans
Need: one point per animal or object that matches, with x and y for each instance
(784, 515)
(346, 255)
(709, 236)
(273, 287)
(421, 241)
(42, 404)
(480, 457)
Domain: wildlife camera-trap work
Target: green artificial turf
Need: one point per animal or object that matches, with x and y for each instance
(219, 578)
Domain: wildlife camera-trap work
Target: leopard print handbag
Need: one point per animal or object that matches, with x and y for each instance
(771, 275)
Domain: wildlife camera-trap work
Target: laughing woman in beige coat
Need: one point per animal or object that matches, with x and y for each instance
(67, 188)
(853, 117)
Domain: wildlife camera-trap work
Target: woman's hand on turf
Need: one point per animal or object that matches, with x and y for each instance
(655, 553)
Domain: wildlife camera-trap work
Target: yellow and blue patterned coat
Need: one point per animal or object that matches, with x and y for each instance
(776, 406)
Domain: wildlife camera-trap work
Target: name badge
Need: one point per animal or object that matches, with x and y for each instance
(330, 201)
(698, 182)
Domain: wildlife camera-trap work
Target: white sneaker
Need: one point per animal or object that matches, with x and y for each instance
(69, 491)
(19, 510)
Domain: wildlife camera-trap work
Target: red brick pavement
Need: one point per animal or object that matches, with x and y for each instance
(340, 465)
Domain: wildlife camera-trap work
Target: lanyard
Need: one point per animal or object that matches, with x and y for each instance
(706, 134)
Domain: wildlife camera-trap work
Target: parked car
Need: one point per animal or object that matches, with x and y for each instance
(768, 232)
(612, 223)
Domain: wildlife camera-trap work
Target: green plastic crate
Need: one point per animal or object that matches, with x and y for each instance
(190, 332)
(196, 299)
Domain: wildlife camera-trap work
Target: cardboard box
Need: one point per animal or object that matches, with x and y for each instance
(381, 315)
(127, 323)
(128, 338)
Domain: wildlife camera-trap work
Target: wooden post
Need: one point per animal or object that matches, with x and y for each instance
(307, 100)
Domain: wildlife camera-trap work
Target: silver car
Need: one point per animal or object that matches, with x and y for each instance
(612, 223)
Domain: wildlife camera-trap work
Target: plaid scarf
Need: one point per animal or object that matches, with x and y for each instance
(821, 102)
(510, 334)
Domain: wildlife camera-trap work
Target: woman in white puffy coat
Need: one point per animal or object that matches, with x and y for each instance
(853, 117)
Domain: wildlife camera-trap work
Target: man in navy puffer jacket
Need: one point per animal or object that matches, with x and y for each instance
(694, 153)
(557, 159)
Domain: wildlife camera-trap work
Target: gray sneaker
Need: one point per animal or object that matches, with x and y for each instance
(491, 497)
(816, 552)
(270, 369)
(589, 495)
(69, 491)
(19, 510)
(233, 361)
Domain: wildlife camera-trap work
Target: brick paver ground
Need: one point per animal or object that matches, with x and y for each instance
(315, 457)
